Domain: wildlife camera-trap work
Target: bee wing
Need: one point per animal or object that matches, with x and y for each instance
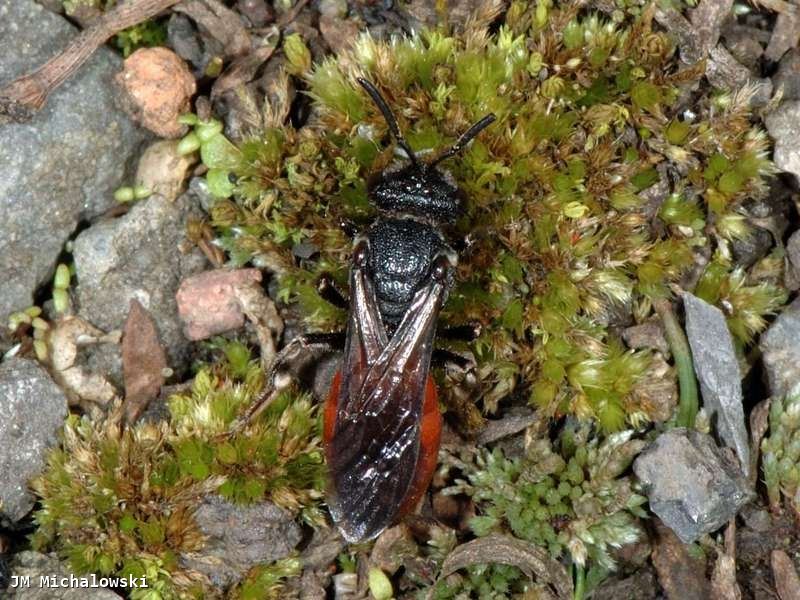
(375, 444)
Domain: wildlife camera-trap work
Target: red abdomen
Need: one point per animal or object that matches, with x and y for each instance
(430, 439)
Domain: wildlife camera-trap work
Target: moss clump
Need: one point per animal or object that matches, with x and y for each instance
(563, 202)
(119, 501)
(746, 298)
(266, 582)
(570, 498)
(781, 453)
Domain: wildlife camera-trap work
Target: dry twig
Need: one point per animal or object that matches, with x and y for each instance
(26, 95)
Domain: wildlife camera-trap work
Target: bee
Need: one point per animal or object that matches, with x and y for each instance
(382, 425)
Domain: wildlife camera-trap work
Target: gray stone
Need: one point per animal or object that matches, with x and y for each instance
(240, 537)
(649, 334)
(184, 39)
(691, 486)
(780, 350)
(724, 71)
(792, 275)
(787, 79)
(783, 125)
(752, 248)
(32, 409)
(63, 166)
(35, 565)
(137, 256)
(717, 369)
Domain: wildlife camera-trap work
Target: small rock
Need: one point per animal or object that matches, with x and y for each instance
(724, 71)
(781, 352)
(157, 85)
(681, 575)
(787, 78)
(305, 250)
(391, 547)
(691, 486)
(185, 39)
(707, 19)
(198, 187)
(742, 42)
(32, 410)
(208, 304)
(793, 262)
(747, 251)
(335, 9)
(137, 256)
(258, 12)
(240, 537)
(162, 170)
(63, 166)
(784, 36)
(339, 34)
(649, 334)
(787, 582)
(42, 567)
(641, 585)
(717, 369)
(783, 125)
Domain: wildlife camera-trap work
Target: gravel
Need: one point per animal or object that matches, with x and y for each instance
(62, 167)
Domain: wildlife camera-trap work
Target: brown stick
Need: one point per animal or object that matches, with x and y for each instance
(25, 96)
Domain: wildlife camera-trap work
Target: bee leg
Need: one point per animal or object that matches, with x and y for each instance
(443, 358)
(349, 228)
(463, 333)
(279, 377)
(330, 292)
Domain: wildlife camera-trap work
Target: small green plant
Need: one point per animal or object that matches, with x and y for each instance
(118, 500)
(146, 34)
(781, 453)
(571, 498)
(266, 582)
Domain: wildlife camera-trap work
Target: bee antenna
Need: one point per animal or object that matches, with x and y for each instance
(391, 121)
(465, 138)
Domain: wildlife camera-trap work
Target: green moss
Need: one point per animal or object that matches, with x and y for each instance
(586, 112)
(117, 501)
(570, 497)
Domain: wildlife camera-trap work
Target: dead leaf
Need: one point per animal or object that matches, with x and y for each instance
(723, 579)
(707, 20)
(220, 22)
(143, 361)
(261, 311)
(339, 34)
(681, 575)
(532, 560)
(787, 583)
(243, 70)
(512, 423)
(66, 338)
(392, 548)
(785, 33)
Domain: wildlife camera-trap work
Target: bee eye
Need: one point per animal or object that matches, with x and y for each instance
(440, 268)
(361, 253)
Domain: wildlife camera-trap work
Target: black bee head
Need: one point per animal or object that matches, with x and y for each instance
(419, 189)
